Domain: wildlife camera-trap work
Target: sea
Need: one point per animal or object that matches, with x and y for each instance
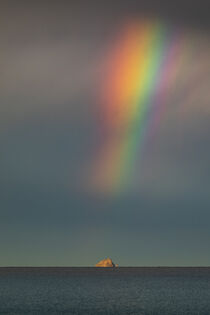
(121, 290)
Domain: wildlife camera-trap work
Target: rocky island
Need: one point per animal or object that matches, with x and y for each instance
(106, 263)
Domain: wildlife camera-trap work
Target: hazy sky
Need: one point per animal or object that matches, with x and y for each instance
(52, 65)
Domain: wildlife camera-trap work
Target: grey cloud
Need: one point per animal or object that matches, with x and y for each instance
(51, 71)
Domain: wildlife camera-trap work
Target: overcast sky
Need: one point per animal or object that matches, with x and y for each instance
(52, 63)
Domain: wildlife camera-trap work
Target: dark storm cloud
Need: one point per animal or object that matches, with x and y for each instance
(51, 56)
(50, 49)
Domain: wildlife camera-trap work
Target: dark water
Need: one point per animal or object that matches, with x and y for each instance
(164, 291)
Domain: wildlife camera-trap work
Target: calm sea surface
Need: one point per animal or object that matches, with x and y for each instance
(164, 291)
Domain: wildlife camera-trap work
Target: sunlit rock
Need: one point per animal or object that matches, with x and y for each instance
(106, 263)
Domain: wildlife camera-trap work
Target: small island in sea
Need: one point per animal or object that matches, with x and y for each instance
(106, 263)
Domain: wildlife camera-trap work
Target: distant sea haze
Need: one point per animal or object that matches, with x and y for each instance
(123, 290)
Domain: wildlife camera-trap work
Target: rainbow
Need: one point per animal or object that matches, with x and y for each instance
(141, 70)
